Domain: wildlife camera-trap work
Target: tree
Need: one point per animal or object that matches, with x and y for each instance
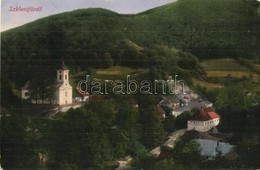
(232, 104)
(18, 150)
(166, 164)
(144, 162)
(9, 99)
(106, 111)
(248, 150)
(120, 139)
(152, 128)
(187, 153)
(80, 141)
(126, 121)
(108, 61)
(181, 120)
(169, 124)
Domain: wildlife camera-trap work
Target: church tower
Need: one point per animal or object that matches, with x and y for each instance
(63, 88)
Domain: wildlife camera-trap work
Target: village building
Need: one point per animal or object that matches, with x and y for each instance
(171, 103)
(205, 103)
(26, 90)
(63, 93)
(203, 120)
(63, 89)
(211, 148)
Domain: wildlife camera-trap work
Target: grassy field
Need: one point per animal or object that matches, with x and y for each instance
(118, 72)
(228, 67)
(236, 74)
(223, 64)
(113, 73)
(109, 73)
(225, 67)
(257, 65)
(205, 84)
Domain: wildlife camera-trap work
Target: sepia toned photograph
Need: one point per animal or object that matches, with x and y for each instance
(130, 84)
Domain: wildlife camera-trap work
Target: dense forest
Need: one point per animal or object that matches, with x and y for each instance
(104, 130)
(101, 38)
(167, 40)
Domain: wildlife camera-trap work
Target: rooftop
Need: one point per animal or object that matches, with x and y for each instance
(27, 86)
(205, 114)
(63, 66)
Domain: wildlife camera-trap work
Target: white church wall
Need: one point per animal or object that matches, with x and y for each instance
(65, 96)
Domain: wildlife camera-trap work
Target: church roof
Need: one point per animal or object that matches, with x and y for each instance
(205, 114)
(63, 66)
(27, 86)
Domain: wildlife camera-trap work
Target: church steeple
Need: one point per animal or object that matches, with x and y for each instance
(63, 73)
(63, 88)
(63, 66)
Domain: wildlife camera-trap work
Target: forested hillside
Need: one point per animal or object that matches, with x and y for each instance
(100, 38)
(213, 45)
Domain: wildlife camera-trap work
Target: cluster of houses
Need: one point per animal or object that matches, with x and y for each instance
(202, 122)
(184, 100)
(204, 117)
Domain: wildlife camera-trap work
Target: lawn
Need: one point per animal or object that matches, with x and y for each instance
(257, 66)
(119, 70)
(220, 73)
(225, 67)
(223, 64)
(206, 84)
(113, 73)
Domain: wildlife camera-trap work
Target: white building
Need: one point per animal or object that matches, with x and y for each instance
(63, 89)
(26, 90)
(63, 93)
(203, 120)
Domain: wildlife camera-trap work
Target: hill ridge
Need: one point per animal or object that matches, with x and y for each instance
(91, 34)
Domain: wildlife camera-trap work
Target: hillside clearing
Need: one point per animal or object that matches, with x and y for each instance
(237, 74)
(114, 71)
(118, 70)
(206, 84)
(224, 64)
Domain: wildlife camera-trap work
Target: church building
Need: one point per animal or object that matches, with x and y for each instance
(63, 93)
(63, 89)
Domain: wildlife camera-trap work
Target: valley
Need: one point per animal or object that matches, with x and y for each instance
(211, 45)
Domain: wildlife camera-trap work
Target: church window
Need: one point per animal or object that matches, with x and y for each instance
(65, 77)
(60, 76)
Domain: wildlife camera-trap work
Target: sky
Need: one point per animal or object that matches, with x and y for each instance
(11, 18)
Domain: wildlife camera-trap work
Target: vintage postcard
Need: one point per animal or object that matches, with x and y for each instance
(130, 84)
